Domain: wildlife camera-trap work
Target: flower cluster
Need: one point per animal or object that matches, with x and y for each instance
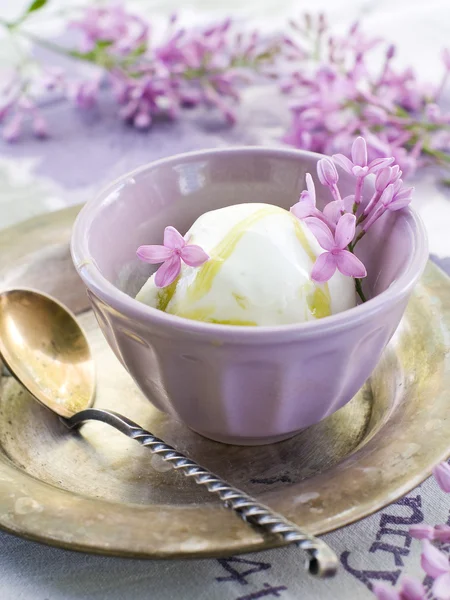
(345, 221)
(148, 77)
(434, 562)
(335, 96)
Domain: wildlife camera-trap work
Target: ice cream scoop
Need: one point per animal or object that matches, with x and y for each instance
(258, 273)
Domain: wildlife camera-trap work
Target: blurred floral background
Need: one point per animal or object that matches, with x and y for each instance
(332, 91)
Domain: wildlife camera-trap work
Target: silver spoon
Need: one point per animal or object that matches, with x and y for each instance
(45, 348)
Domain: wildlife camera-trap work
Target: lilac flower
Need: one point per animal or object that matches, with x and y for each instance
(306, 206)
(328, 176)
(442, 533)
(409, 590)
(84, 94)
(39, 126)
(394, 197)
(358, 166)
(438, 533)
(336, 255)
(436, 565)
(384, 177)
(22, 111)
(422, 532)
(442, 475)
(171, 253)
(334, 210)
(390, 108)
(112, 24)
(12, 130)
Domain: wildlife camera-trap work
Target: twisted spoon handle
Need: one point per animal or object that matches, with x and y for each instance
(322, 560)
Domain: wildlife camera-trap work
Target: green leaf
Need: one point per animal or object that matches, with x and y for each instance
(103, 44)
(35, 5)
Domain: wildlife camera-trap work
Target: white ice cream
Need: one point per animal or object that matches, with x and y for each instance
(261, 258)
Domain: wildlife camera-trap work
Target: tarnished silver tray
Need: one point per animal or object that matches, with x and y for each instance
(98, 491)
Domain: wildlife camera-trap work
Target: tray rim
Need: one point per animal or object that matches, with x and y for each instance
(250, 542)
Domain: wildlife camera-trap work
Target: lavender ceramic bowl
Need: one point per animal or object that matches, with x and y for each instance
(236, 384)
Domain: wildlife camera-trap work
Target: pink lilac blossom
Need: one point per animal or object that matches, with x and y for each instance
(438, 533)
(442, 475)
(190, 67)
(174, 250)
(23, 110)
(410, 589)
(336, 256)
(112, 25)
(334, 96)
(344, 221)
(306, 206)
(435, 564)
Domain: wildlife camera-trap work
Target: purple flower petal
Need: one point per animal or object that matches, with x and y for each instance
(396, 173)
(40, 128)
(442, 533)
(322, 232)
(327, 173)
(441, 587)
(13, 129)
(380, 163)
(358, 171)
(404, 194)
(348, 202)
(433, 562)
(383, 179)
(422, 532)
(168, 271)
(350, 265)
(442, 475)
(324, 268)
(383, 592)
(305, 197)
(412, 589)
(193, 255)
(345, 230)
(173, 238)
(311, 188)
(343, 162)
(398, 204)
(387, 195)
(154, 254)
(333, 211)
(359, 152)
(142, 120)
(302, 209)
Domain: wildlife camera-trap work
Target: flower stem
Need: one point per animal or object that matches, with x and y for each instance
(358, 190)
(358, 284)
(442, 157)
(41, 42)
(359, 290)
(360, 235)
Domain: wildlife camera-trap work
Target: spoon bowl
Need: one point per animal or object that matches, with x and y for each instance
(46, 350)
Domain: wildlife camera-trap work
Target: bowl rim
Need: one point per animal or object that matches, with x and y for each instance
(106, 291)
